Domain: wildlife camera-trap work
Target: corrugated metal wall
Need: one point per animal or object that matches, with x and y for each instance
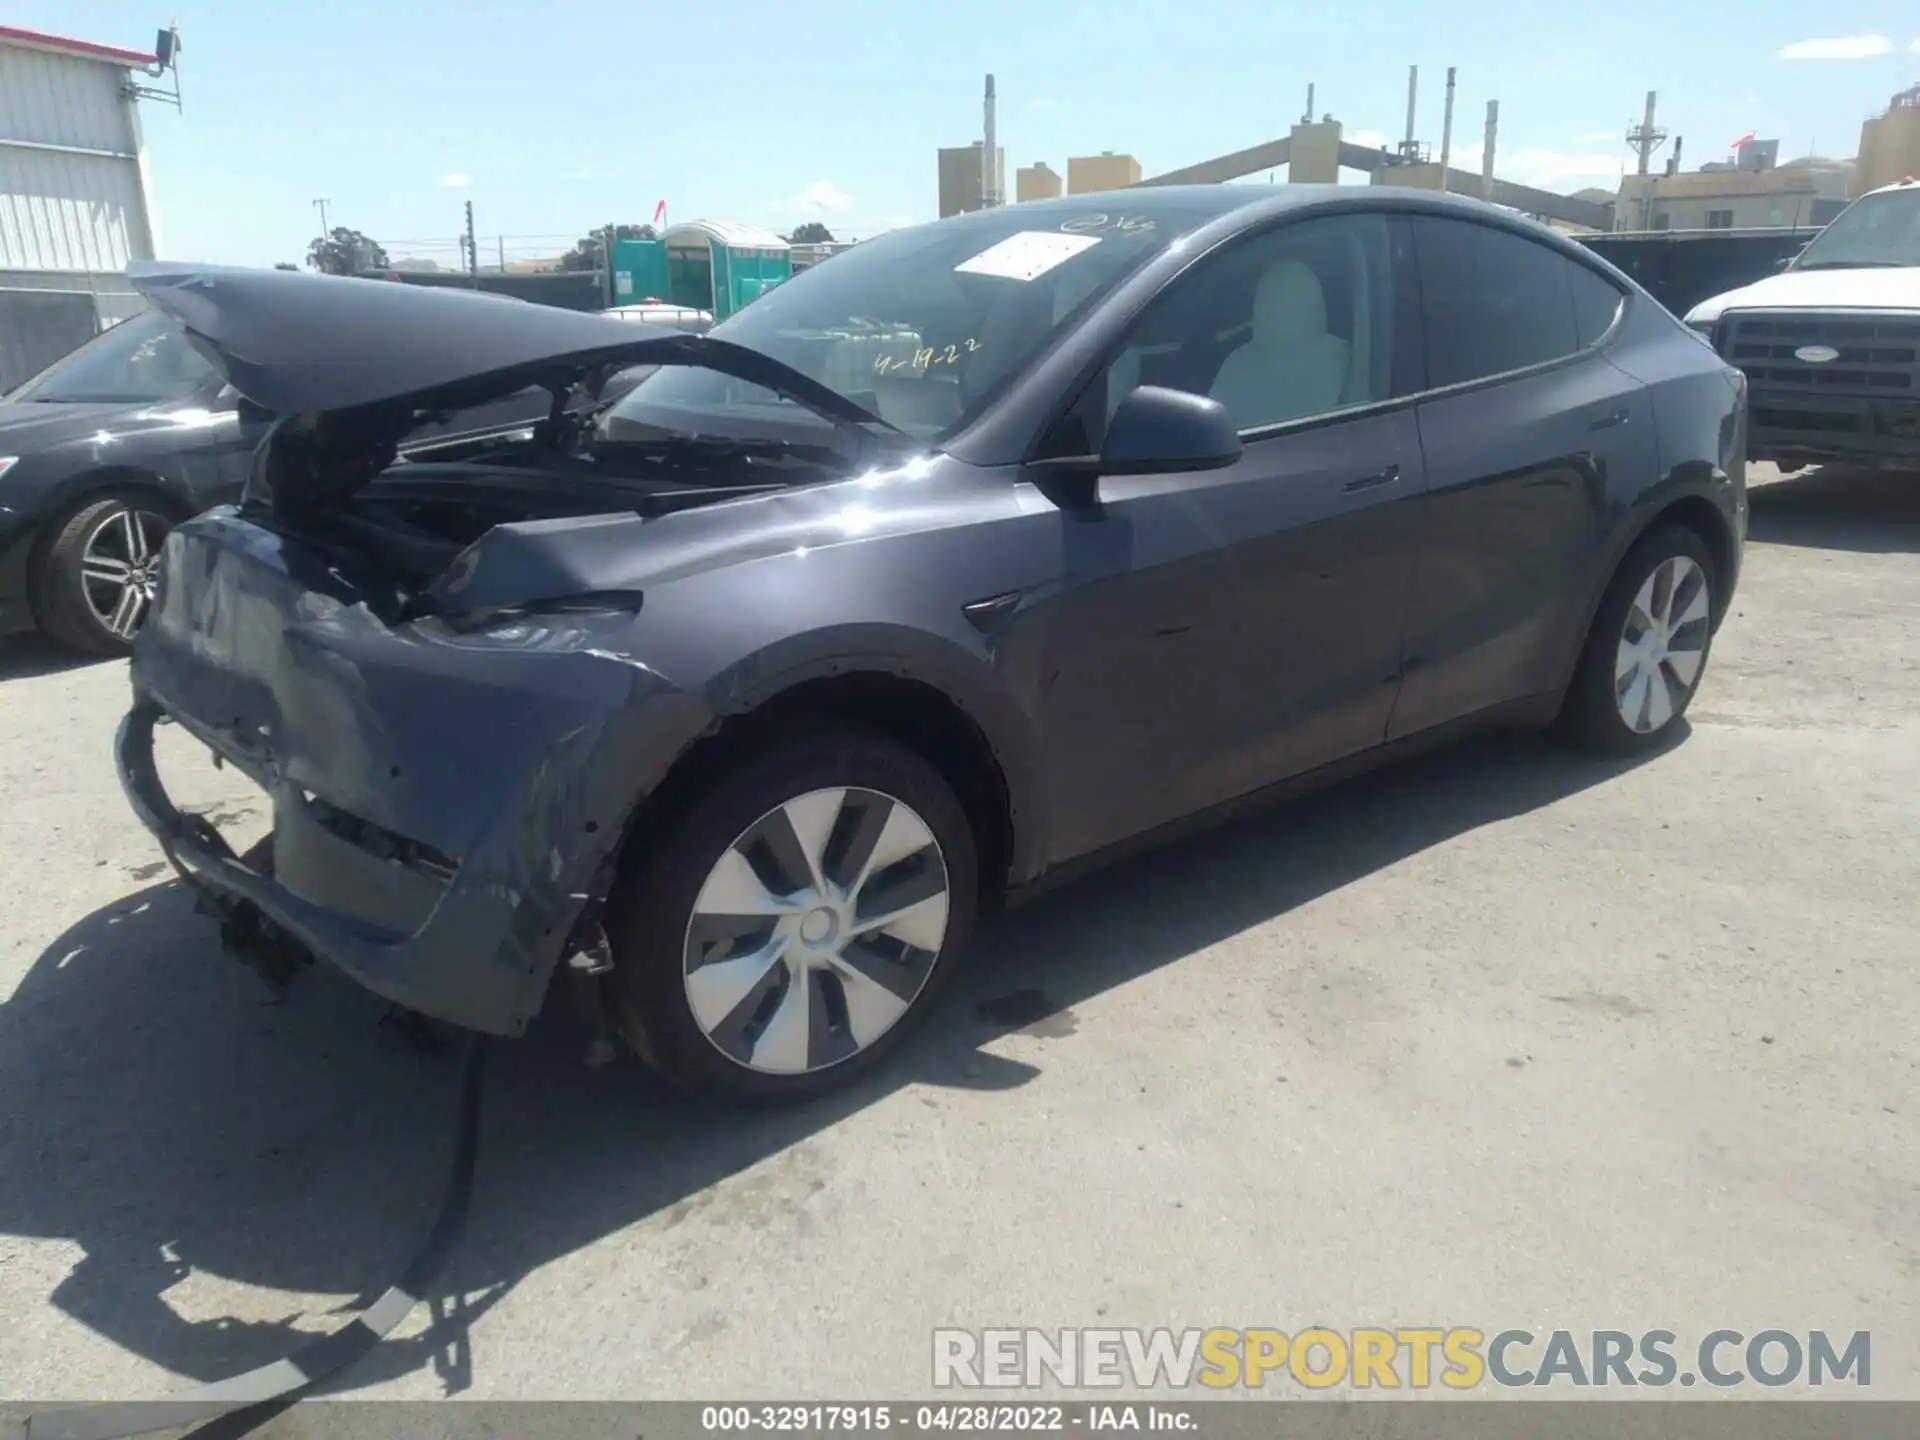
(69, 212)
(70, 195)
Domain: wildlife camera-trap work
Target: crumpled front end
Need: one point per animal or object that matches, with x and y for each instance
(447, 800)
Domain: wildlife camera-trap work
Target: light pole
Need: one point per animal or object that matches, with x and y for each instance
(325, 233)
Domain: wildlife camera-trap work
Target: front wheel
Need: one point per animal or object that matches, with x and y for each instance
(1648, 647)
(797, 922)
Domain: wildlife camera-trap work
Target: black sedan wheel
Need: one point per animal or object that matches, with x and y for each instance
(791, 929)
(97, 576)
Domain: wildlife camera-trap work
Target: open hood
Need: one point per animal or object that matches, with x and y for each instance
(295, 344)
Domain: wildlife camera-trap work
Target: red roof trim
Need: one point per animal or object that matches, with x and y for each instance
(77, 47)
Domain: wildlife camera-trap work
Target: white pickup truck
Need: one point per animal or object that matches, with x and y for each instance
(1831, 345)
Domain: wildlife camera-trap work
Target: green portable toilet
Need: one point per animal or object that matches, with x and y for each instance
(639, 271)
(718, 265)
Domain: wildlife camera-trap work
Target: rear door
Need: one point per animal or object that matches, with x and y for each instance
(1524, 420)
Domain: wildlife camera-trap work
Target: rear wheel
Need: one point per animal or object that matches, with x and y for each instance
(1647, 651)
(96, 577)
(797, 922)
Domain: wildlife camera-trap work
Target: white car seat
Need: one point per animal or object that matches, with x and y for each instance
(1291, 365)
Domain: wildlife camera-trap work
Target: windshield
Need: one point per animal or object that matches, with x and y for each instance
(145, 360)
(922, 326)
(1875, 230)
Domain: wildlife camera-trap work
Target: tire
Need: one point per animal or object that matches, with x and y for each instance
(746, 1038)
(1622, 704)
(93, 579)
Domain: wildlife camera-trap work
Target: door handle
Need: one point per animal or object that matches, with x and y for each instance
(1618, 417)
(1370, 482)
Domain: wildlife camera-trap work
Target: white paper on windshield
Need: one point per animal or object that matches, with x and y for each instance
(1028, 255)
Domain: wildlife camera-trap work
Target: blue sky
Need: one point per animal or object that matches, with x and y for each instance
(554, 119)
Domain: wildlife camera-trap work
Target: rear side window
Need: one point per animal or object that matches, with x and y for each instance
(1596, 304)
(1493, 301)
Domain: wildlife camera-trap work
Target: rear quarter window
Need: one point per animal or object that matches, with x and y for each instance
(1493, 301)
(1596, 304)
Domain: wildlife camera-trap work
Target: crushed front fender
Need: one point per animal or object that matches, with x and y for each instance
(446, 803)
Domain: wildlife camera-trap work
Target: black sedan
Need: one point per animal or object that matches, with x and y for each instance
(106, 450)
(993, 549)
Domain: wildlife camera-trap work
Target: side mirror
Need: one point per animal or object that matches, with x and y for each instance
(1156, 431)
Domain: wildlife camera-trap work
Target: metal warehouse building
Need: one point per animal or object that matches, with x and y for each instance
(75, 202)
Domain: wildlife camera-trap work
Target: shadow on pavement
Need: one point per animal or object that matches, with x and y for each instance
(1836, 508)
(24, 656)
(162, 1115)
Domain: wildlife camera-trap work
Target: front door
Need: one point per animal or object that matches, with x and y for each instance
(1220, 631)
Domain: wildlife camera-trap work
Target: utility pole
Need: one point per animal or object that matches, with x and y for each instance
(1644, 139)
(325, 233)
(1408, 151)
(1486, 152)
(473, 250)
(990, 171)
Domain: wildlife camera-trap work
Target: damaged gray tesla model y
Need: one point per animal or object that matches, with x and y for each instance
(983, 552)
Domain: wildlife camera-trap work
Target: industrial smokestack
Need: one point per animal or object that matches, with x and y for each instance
(1646, 140)
(1486, 154)
(1307, 119)
(989, 172)
(1673, 160)
(1446, 131)
(1413, 91)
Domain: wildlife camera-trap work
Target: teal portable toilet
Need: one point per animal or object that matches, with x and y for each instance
(720, 266)
(639, 271)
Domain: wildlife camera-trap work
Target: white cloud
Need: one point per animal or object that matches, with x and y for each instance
(454, 181)
(1372, 139)
(822, 197)
(1556, 170)
(1914, 48)
(1838, 47)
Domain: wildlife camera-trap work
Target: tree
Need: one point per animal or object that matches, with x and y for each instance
(283, 265)
(345, 252)
(811, 233)
(588, 252)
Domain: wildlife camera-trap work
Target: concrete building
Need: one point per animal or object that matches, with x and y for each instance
(1089, 174)
(1315, 155)
(962, 177)
(75, 197)
(1889, 145)
(1038, 181)
(1749, 194)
